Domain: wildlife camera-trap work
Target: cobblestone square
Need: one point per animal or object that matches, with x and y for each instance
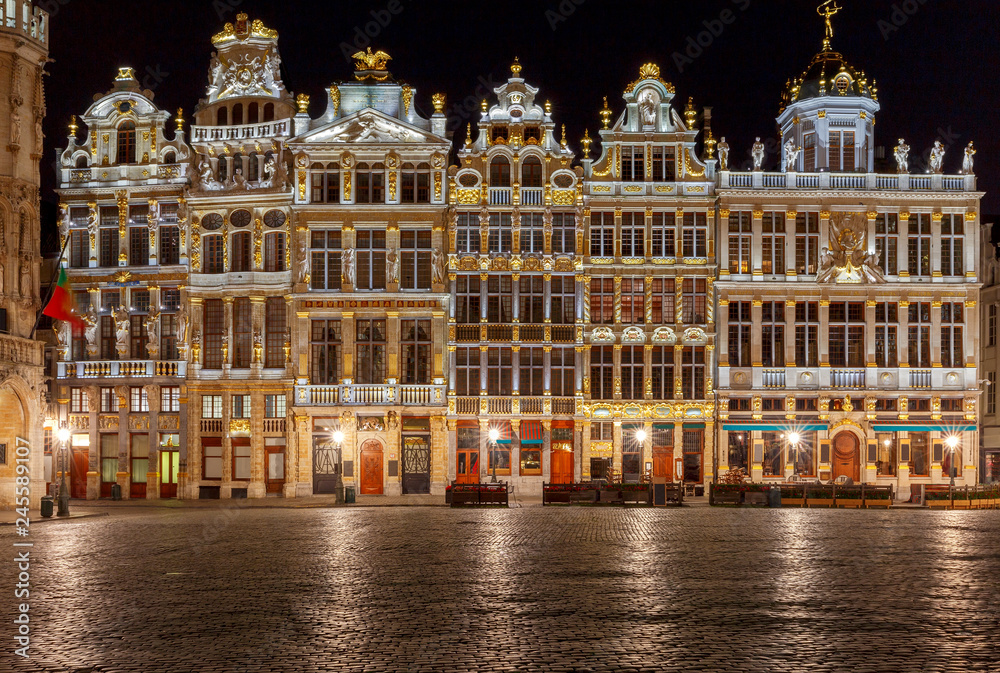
(534, 589)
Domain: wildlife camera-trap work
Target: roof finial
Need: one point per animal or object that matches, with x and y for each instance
(516, 67)
(828, 10)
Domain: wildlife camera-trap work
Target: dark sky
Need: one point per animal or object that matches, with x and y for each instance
(934, 60)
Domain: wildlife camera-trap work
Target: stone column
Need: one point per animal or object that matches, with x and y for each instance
(936, 244)
(647, 371)
(903, 336)
(902, 252)
(546, 370)
(790, 242)
(678, 374)
(578, 468)
(647, 446)
(580, 368)
(483, 373)
(870, 334)
(484, 448)
(756, 348)
(936, 334)
(439, 328)
(824, 333)
(298, 460)
(515, 370)
(708, 451)
(617, 348)
(153, 470)
(228, 343)
(789, 335)
(756, 249)
(616, 446)
(123, 476)
(258, 467)
(452, 448)
(546, 451)
(547, 296)
(440, 444)
(347, 331)
(585, 474)
(392, 344)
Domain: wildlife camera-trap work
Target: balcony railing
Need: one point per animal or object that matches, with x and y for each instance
(920, 378)
(505, 406)
(274, 425)
(272, 129)
(532, 196)
(97, 369)
(472, 333)
(500, 196)
(847, 378)
(847, 181)
(370, 394)
(21, 351)
(773, 378)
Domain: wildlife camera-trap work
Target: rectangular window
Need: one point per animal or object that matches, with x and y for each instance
(602, 373)
(109, 401)
(468, 299)
(633, 301)
(887, 241)
(242, 333)
(885, 454)
(773, 243)
(500, 233)
(79, 248)
(847, 334)
(324, 273)
(807, 334)
(532, 370)
(416, 351)
(214, 330)
(663, 372)
(170, 300)
(170, 246)
(274, 251)
(274, 406)
(78, 402)
(773, 334)
(602, 235)
(991, 334)
(170, 399)
(138, 245)
(325, 183)
(109, 458)
(919, 334)
(109, 246)
(467, 233)
(664, 300)
(693, 301)
(562, 299)
(632, 372)
(919, 260)
(633, 234)
(563, 233)
(214, 254)
(602, 301)
(991, 393)
(633, 164)
(631, 451)
(467, 369)
(563, 376)
(952, 344)
(138, 400)
(740, 329)
(532, 233)
(920, 464)
(211, 406)
(276, 331)
(740, 241)
(806, 244)
(531, 296)
(693, 373)
(695, 235)
(809, 152)
(241, 458)
(693, 440)
(415, 260)
(664, 235)
(886, 342)
(498, 371)
(110, 302)
(370, 260)
(774, 464)
(952, 237)
(370, 346)
(664, 164)
(211, 452)
(325, 342)
(602, 431)
(241, 406)
(499, 299)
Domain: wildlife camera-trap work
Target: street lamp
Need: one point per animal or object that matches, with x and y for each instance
(494, 436)
(338, 439)
(952, 444)
(63, 435)
(793, 442)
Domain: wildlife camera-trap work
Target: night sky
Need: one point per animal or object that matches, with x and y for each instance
(934, 60)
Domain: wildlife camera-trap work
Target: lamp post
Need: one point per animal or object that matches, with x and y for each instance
(640, 437)
(494, 435)
(63, 435)
(952, 444)
(338, 439)
(793, 443)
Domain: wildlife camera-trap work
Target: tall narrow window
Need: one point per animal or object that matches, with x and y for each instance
(326, 183)
(809, 152)
(499, 298)
(692, 448)
(887, 241)
(370, 183)
(563, 233)
(602, 235)
(138, 338)
(415, 260)
(920, 245)
(243, 333)
(806, 244)
(276, 328)
(633, 234)
(886, 326)
(952, 345)
(467, 369)
(602, 301)
(500, 172)
(694, 299)
(664, 164)
(214, 329)
(563, 377)
(241, 251)
(693, 373)
(126, 143)
(919, 334)
(416, 351)
(773, 243)
(214, 256)
(632, 372)
(532, 374)
(847, 334)
(952, 235)
(532, 233)
(324, 273)
(740, 241)
(740, 329)
(531, 172)
(499, 239)
(633, 164)
(110, 301)
(468, 299)
(498, 371)
(370, 260)
(170, 300)
(170, 245)
(467, 239)
(370, 346)
(664, 301)
(633, 301)
(773, 334)
(531, 292)
(807, 334)
(562, 298)
(274, 251)
(991, 333)
(325, 345)
(664, 235)
(663, 372)
(602, 373)
(109, 246)
(695, 235)
(79, 248)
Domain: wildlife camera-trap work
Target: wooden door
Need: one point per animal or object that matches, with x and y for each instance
(275, 480)
(371, 467)
(846, 456)
(416, 464)
(562, 464)
(138, 465)
(467, 466)
(169, 463)
(78, 473)
(663, 464)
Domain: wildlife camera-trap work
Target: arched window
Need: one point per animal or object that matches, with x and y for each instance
(268, 112)
(253, 169)
(241, 251)
(170, 158)
(237, 114)
(253, 113)
(126, 143)
(274, 251)
(531, 172)
(500, 172)
(81, 161)
(223, 169)
(222, 116)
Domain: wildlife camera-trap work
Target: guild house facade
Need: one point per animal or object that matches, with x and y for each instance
(288, 296)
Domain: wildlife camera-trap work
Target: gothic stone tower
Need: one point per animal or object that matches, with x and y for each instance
(24, 51)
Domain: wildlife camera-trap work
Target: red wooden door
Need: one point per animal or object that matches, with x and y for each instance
(562, 465)
(467, 466)
(371, 468)
(846, 456)
(78, 473)
(169, 463)
(663, 464)
(275, 481)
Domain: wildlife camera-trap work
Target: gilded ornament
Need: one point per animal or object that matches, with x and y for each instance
(438, 100)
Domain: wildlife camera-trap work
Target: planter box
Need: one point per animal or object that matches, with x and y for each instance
(850, 503)
(589, 495)
(793, 502)
(962, 504)
(878, 503)
(938, 504)
(732, 498)
(564, 497)
(755, 498)
(820, 502)
(611, 496)
(641, 497)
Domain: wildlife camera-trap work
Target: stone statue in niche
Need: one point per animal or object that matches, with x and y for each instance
(302, 259)
(347, 264)
(392, 265)
(438, 266)
(902, 153)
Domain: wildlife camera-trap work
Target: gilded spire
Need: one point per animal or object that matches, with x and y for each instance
(515, 68)
(828, 10)
(605, 114)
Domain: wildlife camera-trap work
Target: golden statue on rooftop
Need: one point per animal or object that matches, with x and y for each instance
(366, 60)
(828, 10)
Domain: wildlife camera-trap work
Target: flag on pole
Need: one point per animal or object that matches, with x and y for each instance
(60, 306)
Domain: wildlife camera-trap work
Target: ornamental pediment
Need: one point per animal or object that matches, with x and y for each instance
(368, 126)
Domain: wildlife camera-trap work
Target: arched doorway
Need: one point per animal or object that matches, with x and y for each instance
(847, 456)
(371, 467)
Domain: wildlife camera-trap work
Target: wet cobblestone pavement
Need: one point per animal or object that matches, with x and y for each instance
(534, 589)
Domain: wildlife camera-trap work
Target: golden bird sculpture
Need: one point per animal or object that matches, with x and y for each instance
(366, 60)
